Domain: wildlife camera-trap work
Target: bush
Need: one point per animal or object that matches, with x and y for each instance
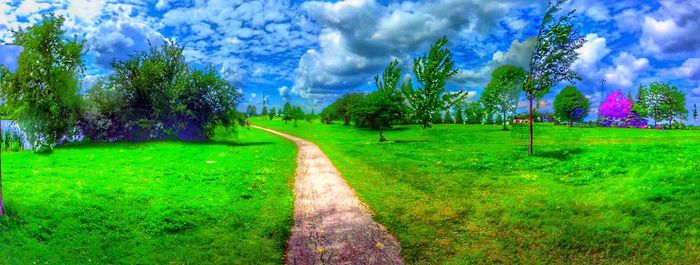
(155, 95)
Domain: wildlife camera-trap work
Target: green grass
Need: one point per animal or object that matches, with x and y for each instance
(459, 194)
(220, 202)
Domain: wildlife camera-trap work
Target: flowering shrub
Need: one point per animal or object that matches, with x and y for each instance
(616, 111)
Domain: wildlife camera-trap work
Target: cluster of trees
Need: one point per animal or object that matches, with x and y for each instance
(393, 102)
(292, 113)
(658, 101)
(153, 94)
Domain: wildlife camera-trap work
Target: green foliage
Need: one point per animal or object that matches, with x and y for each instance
(343, 107)
(695, 111)
(448, 118)
(502, 93)
(329, 114)
(297, 114)
(287, 114)
(12, 141)
(272, 113)
(661, 101)
(216, 202)
(155, 94)
(571, 105)
(554, 53)
(476, 113)
(42, 94)
(459, 114)
(264, 111)
(432, 71)
(251, 111)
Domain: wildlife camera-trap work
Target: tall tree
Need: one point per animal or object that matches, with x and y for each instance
(380, 109)
(287, 112)
(502, 93)
(432, 71)
(695, 111)
(448, 118)
(571, 105)
(554, 53)
(344, 106)
(264, 111)
(459, 114)
(297, 114)
(42, 94)
(272, 113)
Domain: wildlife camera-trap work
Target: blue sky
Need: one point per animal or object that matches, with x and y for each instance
(309, 52)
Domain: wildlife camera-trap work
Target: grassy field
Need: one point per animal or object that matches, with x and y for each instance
(460, 194)
(220, 202)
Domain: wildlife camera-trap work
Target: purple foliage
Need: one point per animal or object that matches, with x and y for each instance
(616, 111)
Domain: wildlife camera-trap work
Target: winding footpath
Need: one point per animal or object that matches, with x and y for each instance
(331, 226)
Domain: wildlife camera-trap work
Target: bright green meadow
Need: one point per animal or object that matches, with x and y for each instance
(464, 194)
(217, 202)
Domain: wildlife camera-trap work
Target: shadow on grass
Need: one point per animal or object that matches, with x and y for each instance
(562, 154)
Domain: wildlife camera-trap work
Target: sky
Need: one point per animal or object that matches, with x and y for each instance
(310, 52)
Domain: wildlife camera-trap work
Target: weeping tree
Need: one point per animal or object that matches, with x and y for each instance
(432, 71)
(554, 53)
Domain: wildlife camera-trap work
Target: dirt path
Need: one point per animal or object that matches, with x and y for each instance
(331, 226)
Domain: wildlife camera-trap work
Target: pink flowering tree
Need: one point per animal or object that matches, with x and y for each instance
(616, 111)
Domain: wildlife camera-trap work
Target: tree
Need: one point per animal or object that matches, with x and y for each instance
(619, 111)
(662, 101)
(551, 59)
(571, 105)
(459, 114)
(251, 111)
(380, 109)
(297, 114)
(475, 113)
(503, 91)
(345, 104)
(287, 113)
(695, 111)
(42, 94)
(328, 114)
(264, 111)
(432, 71)
(448, 118)
(272, 113)
(156, 95)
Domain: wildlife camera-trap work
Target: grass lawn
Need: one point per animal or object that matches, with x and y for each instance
(220, 202)
(460, 194)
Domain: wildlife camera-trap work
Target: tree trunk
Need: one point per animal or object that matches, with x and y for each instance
(531, 124)
(670, 123)
(504, 122)
(571, 123)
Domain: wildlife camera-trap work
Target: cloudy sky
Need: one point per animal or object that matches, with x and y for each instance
(309, 52)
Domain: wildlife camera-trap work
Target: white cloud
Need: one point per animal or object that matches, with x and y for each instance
(361, 36)
(673, 29)
(627, 68)
(690, 69)
(283, 91)
(696, 92)
(518, 54)
(117, 39)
